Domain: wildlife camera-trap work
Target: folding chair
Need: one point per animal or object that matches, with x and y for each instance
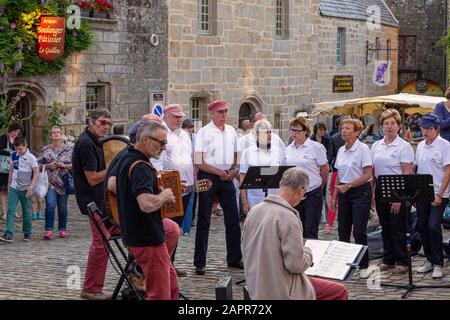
(130, 260)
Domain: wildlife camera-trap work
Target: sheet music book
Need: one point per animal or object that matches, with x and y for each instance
(331, 258)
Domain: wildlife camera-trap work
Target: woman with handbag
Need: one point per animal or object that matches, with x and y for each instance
(57, 159)
(6, 148)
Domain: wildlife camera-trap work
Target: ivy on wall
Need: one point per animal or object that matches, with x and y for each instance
(18, 38)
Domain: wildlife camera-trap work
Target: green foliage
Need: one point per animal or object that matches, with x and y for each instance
(445, 41)
(18, 37)
(8, 111)
(53, 119)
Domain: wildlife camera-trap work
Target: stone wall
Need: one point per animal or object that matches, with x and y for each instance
(426, 20)
(243, 59)
(121, 56)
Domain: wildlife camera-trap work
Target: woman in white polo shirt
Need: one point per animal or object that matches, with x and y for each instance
(262, 153)
(433, 157)
(354, 165)
(310, 156)
(392, 156)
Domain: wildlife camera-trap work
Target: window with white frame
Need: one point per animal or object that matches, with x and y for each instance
(204, 17)
(281, 19)
(199, 113)
(97, 96)
(340, 47)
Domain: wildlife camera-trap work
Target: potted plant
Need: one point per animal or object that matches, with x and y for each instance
(86, 8)
(102, 8)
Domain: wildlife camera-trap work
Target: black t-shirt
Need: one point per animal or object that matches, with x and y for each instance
(87, 156)
(138, 229)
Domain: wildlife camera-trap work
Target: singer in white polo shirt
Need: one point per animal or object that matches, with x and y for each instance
(354, 165)
(216, 158)
(262, 153)
(310, 156)
(433, 157)
(392, 156)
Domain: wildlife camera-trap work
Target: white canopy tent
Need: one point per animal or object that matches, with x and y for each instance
(409, 103)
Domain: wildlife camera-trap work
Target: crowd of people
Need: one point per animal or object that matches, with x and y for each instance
(270, 247)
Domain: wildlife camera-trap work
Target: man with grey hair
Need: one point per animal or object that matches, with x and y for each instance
(139, 200)
(275, 258)
(89, 171)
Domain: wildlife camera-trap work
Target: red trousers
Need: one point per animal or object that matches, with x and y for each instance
(328, 290)
(160, 275)
(98, 254)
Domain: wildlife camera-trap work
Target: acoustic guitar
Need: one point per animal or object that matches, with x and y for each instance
(167, 210)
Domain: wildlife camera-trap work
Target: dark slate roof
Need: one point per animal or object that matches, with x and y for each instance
(356, 10)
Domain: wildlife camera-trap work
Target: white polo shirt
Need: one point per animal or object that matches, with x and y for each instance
(249, 140)
(178, 154)
(431, 159)
(310, 157)
(23, 170)
(387, 158)
(218, 146)
(351, 163)
(253, 156)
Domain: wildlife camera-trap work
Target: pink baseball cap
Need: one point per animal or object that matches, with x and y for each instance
(218, 105)
(151, 117)
(174, 109)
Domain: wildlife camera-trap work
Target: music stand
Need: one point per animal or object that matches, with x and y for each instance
(263, 177)
(407, 189)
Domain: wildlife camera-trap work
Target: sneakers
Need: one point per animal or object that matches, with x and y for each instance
(33, 216)
(27, 238)
(39, 216)
(181, 273)
(48, 235)
(138, 281)
(438, 272)
(63, 234)
(7, 237)
(364, 273)
(426, 267)
(94, 296)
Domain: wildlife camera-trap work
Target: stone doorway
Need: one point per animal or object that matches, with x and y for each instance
(249, 106)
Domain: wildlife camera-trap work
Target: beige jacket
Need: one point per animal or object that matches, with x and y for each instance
(273, 253)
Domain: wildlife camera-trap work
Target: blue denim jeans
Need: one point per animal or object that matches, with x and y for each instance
(53, 199)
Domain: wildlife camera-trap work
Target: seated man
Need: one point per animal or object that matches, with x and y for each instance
(274, 255)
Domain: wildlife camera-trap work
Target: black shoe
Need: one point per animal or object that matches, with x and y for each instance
(7, 238)
(181, 273)
(200, 271)
(238, 265)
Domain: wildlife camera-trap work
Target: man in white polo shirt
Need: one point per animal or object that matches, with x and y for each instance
(178, 156)
(216, 158)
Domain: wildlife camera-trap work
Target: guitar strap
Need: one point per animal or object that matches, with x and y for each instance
(134, 164)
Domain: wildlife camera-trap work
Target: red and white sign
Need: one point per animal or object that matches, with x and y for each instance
(51, 33)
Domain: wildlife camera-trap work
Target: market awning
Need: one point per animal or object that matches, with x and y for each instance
(409, 103)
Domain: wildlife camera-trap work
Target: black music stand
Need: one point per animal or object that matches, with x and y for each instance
(408, 189)
(263, 177)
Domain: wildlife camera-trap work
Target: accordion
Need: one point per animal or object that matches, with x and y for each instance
(171, 179)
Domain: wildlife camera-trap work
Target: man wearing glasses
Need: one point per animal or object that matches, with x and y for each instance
(89, 172)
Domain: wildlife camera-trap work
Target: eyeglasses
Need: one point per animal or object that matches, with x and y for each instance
(297, 131)
(105, 123)
(163, 143)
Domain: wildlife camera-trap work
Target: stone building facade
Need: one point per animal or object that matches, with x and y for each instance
(119, 71)
(247, 60)
(275, 56)
(422, 24)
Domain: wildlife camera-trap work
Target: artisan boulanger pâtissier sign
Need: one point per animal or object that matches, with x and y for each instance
(51, 33)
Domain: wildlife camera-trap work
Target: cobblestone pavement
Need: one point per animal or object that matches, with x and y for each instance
(42, 269)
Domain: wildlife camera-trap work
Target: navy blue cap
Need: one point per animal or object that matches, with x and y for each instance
(430, 120)
(135, 126)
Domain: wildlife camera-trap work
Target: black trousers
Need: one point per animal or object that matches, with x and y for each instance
(354, 210)
(429, 221)
(226, 192)
(310, 211)
(179, 221)
(393, 232)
